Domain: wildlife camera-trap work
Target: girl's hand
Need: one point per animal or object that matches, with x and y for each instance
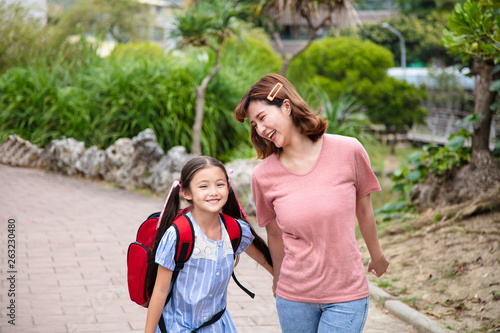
(275, 283)
(378, 267)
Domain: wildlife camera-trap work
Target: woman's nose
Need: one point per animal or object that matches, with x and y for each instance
(260, 129)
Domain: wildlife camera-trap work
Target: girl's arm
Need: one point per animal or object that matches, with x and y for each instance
(157, 301)
(277, 249)
(256, 255)
(367, 225)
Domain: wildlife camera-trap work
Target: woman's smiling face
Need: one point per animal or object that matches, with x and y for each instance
(271, 122)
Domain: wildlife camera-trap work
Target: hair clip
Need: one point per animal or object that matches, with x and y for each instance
(271, 96)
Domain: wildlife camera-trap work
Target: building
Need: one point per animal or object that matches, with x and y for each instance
(37, 9)
(163, 13)
(294, 30)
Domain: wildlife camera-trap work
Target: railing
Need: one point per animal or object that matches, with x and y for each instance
(440, 123)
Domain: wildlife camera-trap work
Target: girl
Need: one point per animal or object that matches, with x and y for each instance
(200, 291)
(308, 191)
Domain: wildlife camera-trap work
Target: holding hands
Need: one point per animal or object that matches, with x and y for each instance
(378, 267)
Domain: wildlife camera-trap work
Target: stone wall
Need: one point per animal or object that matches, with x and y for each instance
(130, 163)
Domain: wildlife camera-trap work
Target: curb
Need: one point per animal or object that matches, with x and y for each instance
(418, 320)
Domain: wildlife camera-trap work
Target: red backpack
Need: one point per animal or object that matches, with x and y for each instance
(140, 250)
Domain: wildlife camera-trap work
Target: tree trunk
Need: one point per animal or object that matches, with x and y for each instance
(483, 98)
(338, 31)
(312, 36)
(288, 60)
(200, 104)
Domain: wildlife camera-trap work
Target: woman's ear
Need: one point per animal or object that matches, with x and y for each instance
(287, 106)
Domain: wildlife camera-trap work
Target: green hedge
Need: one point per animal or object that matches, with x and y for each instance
(359, 67)
(101, 100)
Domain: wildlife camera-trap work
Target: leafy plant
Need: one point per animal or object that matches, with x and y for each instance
(21, 35)
(97, 100)
(358, 67)
(206, 24)
(345, 115)
(435, 160)
(474, 34)
(422, 36)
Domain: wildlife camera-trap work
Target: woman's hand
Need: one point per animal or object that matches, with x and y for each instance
(378, 267)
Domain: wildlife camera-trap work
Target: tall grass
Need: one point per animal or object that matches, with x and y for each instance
(100, 100)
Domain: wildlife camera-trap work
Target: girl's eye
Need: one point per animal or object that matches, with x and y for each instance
(203, 186)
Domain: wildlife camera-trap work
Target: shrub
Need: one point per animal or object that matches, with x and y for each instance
(101, 100)
(355, 66)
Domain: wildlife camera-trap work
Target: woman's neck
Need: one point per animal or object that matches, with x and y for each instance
(301, 154)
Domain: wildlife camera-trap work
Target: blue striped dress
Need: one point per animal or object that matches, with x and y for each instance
(201, 287)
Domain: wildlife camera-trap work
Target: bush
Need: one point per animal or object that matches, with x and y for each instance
(21, 36)
(346, 65)
(101, 100)
(422, 38)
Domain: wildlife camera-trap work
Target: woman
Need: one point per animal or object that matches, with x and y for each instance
(308, 191)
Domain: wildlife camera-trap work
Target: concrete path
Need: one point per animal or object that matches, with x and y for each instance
(69, 275)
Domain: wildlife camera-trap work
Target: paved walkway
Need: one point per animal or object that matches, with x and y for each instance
(69, 275)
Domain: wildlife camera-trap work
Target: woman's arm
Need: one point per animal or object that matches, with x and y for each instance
(367, 225)
(256, 255)
(157, 301)
(277, 249)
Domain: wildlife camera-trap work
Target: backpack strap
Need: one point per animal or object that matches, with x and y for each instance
(185, 239)
(234, 230)
(185, 244)
(212, 320)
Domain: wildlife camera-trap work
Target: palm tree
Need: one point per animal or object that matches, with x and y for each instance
(317, 13)
(206, 24)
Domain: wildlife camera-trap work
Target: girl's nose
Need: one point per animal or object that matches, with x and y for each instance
(212, 189)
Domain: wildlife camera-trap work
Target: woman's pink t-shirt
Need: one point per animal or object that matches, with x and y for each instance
(316, 212)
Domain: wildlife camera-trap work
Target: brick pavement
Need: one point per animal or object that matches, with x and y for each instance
(71, 239)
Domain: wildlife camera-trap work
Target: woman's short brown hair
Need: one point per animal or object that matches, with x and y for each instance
(307, 121)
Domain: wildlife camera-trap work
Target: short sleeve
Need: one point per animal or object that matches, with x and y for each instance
(263, 206)
(366, 181)
(166, 249)
(246, 237)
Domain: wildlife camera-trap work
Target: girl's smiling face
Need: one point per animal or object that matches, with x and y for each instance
(208, 190)
(271, 122)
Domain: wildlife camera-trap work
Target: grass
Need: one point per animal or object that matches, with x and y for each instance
(410, 300)
(378, 155)
(384, 284)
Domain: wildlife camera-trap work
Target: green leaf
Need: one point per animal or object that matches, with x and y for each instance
(414, 176)
(415, 157)
(455, 143)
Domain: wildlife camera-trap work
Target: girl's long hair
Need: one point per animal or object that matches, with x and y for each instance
(171, 212)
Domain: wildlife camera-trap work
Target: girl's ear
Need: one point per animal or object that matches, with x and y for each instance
(186, 194)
